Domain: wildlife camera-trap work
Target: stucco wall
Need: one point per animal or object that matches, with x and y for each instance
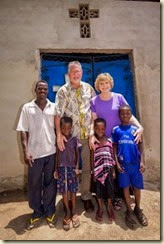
(27, 27)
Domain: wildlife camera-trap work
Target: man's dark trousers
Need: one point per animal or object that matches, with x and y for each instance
(42, 186)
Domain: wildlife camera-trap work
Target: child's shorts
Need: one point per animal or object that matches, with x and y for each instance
(131, 176)
(67, 180)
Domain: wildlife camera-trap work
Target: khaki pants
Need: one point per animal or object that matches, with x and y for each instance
(86, 170)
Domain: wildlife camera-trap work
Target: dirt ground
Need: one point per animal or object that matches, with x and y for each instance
(15, 212)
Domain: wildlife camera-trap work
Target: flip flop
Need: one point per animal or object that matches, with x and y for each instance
(66, 224)
(52, 220)
(75, 221)
(33, 223)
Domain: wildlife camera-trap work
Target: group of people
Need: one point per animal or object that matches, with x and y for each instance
(109, 138)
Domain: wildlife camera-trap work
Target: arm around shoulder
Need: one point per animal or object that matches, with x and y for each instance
(139, 132)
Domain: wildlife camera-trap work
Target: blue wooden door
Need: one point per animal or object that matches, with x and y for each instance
(54, 71)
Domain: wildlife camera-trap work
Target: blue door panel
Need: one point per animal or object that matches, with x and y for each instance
(54, 73)
(123, 80)
(87, 73)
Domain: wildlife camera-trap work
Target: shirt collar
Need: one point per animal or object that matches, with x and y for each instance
(35, 105)
(72, 88)
(71, 137)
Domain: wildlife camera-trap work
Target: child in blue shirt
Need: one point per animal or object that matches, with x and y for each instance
(129, 164)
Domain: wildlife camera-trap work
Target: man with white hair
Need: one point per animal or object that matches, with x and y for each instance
(73, 100)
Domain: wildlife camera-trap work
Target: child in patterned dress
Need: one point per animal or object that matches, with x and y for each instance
(102, 165)
(66, 172)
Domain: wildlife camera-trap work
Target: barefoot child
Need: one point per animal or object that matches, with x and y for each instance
(129, 164)
(102, 165)
(66, 171)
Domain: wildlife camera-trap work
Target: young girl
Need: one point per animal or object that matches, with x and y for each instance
(102, 165)
(66, 171)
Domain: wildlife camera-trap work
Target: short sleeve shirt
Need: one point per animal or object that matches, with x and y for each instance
(108, 110)
(128, 151)
(40, 126)
(67, 157)
(68, 104)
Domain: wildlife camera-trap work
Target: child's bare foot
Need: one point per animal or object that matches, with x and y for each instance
(67, 221)
(110, 212)
(99, 215)
(68, 215)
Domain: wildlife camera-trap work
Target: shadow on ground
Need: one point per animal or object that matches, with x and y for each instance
(19, 224)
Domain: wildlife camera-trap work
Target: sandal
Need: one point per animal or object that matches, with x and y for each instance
(140, 216)
(75, 221)
(117, 204)
(52, 220)
(66, 224)
(33, 223)
(130, 222)
(111, 215)
(99, 215)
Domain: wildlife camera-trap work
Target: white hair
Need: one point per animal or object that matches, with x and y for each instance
(73, 63)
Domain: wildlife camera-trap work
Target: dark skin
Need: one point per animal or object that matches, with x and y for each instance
(100, 135)
(125, 115)
(41, 91)
(66, 131)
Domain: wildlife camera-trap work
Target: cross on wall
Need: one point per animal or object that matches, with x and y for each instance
(84, 14)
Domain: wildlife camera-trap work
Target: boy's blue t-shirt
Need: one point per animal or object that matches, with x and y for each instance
(128, 151)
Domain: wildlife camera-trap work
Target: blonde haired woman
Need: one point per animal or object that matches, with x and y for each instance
(106, 105)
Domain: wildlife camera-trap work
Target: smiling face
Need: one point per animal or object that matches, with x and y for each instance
(104, 86)
(66, 129)
(125, 115)
(41, 90)
(99, 129)
(75, 75)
